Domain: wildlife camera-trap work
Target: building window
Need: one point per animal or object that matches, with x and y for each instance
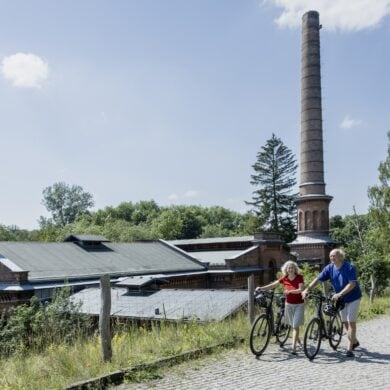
(300, 221)
(315, 220)
(308, 220)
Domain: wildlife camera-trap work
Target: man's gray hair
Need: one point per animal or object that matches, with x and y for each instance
(339, 252)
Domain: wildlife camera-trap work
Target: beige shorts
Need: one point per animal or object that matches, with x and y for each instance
(350, 311)
(294, 314)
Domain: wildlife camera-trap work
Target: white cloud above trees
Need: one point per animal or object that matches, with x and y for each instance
(190, 194)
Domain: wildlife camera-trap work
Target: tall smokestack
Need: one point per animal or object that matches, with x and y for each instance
(312, 160)
(313, 243)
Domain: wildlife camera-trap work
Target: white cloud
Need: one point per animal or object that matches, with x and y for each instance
(344, 15)
(191, 194)
(25, 70)
(173, 197)
(348, 122)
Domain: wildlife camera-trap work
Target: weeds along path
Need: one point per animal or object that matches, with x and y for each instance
(239, 369)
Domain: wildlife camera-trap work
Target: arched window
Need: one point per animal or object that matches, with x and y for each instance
(308, 220)
(300, 221)
(315, 220)
(272, 270)
(324, 219)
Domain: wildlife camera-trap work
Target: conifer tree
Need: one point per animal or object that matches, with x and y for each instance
(274, 179)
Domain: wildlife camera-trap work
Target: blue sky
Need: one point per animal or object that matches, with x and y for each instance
(171, 100)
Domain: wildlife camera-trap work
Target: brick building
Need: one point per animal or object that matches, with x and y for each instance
(231, 260)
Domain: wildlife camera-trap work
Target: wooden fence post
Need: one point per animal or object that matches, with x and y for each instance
(104, 318)
(251, 301)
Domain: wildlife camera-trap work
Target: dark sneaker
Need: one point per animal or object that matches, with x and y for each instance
(355, 345)
(349, 354)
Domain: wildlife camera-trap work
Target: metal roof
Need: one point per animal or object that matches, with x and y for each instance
(142, 280)
(215, 257)
(48, 285)
(170, 304)
(218, 257)
(67, 260)
(86, 237)
(312, 240)
(211, 240)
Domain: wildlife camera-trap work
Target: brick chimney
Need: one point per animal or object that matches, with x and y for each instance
(313, 242)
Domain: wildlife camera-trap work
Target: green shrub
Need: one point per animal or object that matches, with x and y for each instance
(34, 326)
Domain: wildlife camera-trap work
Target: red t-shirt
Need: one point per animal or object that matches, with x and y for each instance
(292, 285)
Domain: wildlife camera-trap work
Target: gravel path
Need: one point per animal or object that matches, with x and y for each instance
(277, 369)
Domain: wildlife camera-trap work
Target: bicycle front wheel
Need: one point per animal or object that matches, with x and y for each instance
(260, 334)
(282, 329)
(312, 338)
(335, 331)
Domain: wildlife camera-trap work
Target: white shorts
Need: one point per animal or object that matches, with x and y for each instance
(350, 311)
(294, 313)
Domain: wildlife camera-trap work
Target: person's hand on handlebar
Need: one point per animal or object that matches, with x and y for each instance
(305, 293)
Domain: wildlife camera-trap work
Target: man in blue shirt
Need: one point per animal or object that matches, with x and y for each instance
(342, 276)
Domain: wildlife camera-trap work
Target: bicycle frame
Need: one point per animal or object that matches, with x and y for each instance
(269, 310)
(325, 331)
(266, 324)
(319, 328)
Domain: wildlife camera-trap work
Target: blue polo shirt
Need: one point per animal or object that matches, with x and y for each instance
(340, 278)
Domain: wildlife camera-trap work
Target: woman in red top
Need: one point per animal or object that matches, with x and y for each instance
(292, 281)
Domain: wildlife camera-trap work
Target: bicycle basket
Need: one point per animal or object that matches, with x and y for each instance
(329, 309)
(261, 299)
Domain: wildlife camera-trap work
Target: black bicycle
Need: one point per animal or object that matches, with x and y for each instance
(319, 328)
(266, 325)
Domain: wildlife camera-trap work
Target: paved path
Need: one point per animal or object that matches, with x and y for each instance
(277, 369)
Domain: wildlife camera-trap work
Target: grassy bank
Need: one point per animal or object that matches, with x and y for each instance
(60, 365)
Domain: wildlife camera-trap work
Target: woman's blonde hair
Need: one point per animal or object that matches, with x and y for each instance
(287, 264)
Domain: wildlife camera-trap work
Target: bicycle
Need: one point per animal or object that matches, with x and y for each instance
(266, 325)
(318, 328)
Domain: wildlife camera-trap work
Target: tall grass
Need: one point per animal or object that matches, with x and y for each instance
(62, 364)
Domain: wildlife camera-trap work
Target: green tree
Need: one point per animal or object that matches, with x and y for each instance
(65, 203)
(145, 211)
(169, 225)
(250, 224)
(350, 232)
(13, 233)
(274, 178)
(377, 258)
(191, 221)
(379, 212)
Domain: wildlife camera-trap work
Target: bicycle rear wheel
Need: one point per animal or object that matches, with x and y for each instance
(282, 329)
(335, 331)
(312, 338)
(260, 334)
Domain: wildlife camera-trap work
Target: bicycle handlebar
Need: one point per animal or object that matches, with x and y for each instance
(268, 293)
(317, 296)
